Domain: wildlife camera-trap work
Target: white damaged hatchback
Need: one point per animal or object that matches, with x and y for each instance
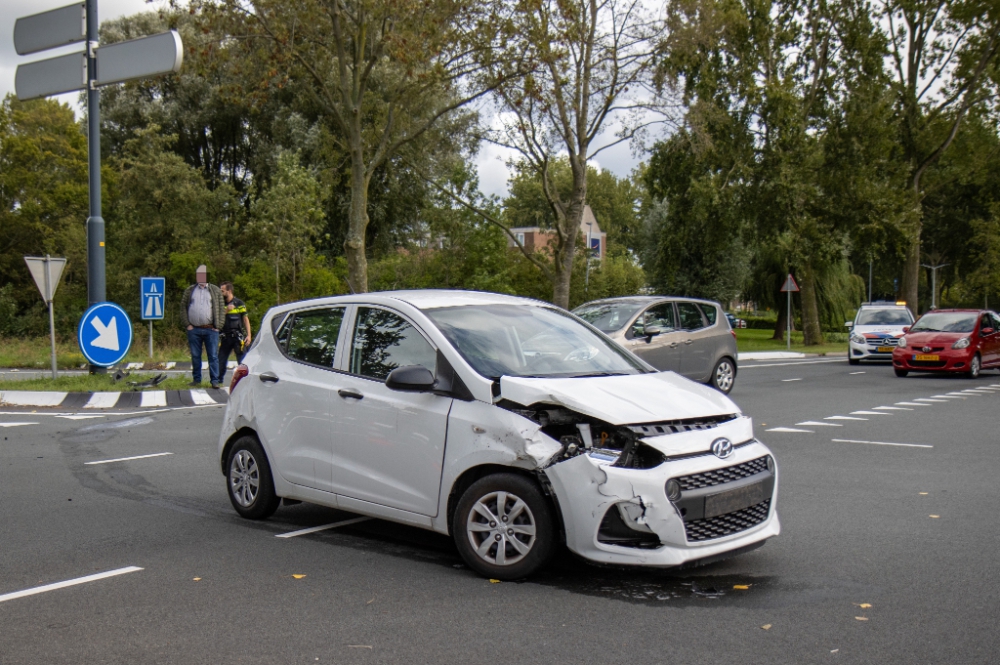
(507, 423)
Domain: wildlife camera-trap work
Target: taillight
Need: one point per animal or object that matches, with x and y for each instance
(240, 372)
(732, 332)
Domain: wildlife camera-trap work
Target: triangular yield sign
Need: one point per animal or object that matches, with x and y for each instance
(790, 284)
(47, 287)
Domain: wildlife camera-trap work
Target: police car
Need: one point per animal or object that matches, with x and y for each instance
(876, 330)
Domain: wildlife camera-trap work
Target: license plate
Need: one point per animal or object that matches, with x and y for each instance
(884, 349)
(733, 500)
(927, 357)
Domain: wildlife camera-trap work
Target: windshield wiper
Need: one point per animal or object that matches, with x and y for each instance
(912, 330)
(590, 374)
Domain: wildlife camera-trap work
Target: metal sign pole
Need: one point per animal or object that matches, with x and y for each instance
(788, 322)
(150, 340)
(96, 285)
(49, 295)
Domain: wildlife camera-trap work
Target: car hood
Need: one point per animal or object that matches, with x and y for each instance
(880, 331)
(930, 338)
(623, 400)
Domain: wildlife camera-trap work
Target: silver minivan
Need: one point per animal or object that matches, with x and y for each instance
(685, 335)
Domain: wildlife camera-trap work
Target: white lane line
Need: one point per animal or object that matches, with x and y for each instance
(314, 529)
(868, 413)
(928, 399)
(949, 396)
(882, 443)
(125, 459)
(62, 585)
(144, 412)
(843, 418)
(911, 404)
(892, 408)
(817, 424)
(807, 362)
(96, 415)
(200, 397)
(787, 380)
(976, 391)
(102, 401)
(853, 373)
(16, 424)
(153, 398)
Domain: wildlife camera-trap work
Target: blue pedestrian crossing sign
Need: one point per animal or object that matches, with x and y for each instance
(104, 334)
(152, 294)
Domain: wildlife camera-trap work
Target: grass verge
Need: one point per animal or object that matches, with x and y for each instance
(749, 340)
(97, 383)
(35, 353)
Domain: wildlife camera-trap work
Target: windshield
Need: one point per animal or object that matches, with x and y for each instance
(884, 317)
(530, 341)
(952, 322)
(609, 316)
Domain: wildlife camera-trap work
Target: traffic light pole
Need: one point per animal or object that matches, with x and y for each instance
(96, 285)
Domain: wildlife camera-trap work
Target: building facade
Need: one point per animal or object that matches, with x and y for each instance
(536, 239)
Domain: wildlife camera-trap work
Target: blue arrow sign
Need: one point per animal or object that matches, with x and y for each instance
(104, 334)
(152, 294)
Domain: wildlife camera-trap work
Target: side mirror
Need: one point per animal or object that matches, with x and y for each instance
(411, 378)
(652, 331)
(986, 331)
(848, 324)
(906, 329)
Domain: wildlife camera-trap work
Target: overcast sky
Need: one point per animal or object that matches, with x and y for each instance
(492, 172)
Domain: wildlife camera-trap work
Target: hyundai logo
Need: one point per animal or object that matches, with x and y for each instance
(722, 448)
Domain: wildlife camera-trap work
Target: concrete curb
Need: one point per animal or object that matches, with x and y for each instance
(141, 399)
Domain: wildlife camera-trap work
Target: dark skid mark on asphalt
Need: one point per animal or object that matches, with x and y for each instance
(101, 432)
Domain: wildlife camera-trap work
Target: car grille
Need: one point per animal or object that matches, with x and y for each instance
(928, 363)
(678, 426)
(725, 475)
(883, 341)
(728, 524)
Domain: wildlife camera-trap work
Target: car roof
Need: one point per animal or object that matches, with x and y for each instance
(956, 310)
(639, 300)
(419, 298)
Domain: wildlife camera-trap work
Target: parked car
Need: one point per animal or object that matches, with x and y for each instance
(876, 330)
(950, 340)
(683, 335)
(734, 322)
(507, 423)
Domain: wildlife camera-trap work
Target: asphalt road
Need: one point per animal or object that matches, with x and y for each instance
(887, 555)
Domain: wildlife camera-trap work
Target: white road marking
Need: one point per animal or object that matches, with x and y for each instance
(96, 415)
(200, 397)
(16, 424)
(853, 373)
(868, 413)
(804, 362)
(125, 459)
(153, 398)
(102, 401)
(817, 424)
(882, 443)
(68, 583)
(892, 408)
(911, 404)
(949, 396)
(843, 418)
(31, 398)
(145, 412)
(314, 529)
(787, 380)
(977, 391)
(928, 399)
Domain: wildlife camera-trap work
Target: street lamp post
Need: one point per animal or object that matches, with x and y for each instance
(586, 279)
(934, 270)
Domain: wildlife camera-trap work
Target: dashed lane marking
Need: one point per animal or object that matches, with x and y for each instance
(882, 443)
(911, 404)
(790, 430)
(949, 396)
(818, 424)
(787, 380)
(125, 459)
(892, 408)
(843, 418)
(853, 373)
(868, 413)
(68, 583)
(78, 417)
(928, 399)
(16, 424)
(314, 529)
(805, 362)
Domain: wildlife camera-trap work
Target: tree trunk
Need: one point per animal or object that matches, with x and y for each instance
(354, 244)
(811, 331)
(911, 274)
(277, 279)
(782, 323)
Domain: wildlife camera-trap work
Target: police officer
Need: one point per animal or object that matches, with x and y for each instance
(232, 336)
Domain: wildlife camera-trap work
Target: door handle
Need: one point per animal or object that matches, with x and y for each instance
(350, 394)
(268, 377)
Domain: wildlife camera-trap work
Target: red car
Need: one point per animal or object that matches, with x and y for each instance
(950, 340)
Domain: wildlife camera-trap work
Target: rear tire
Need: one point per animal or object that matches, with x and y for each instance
(724, 376)
(249, 481)
(901, 372)
(975, 367)
(853, 361)
(503, 527)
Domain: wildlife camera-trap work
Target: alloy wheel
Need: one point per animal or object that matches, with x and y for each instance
(244, 478)
(724, 376)
(501, 528)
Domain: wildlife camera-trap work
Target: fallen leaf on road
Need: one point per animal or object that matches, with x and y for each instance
(864, 606)
(934, 517)
(359, 646)
(861, 618)
(742, 587)
(370, 601)
(766, 626)
(298, 577)
(834, 650)
(923, 494)
(494, 581)
(197, 579)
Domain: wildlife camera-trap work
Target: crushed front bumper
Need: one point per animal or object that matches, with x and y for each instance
(725, 505)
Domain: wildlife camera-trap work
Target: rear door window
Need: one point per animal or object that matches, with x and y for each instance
(710, 312)
(690, 316)
(311, 336)
(383, 341)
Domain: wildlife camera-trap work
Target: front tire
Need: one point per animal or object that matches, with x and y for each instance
(503, 527)
(249, 480)
(724, 376)
(901, 372)
(853, 361)
(975, 367)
